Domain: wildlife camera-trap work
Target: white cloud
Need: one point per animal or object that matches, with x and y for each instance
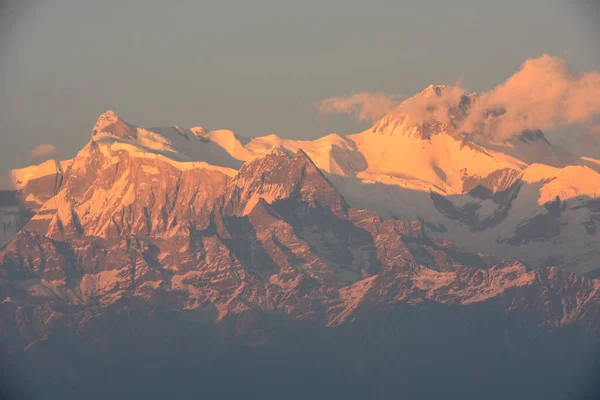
(544, 94)
(44, 151)
(365, 106)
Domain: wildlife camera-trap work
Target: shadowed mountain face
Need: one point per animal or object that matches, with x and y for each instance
(148, 272)
(265, 280)
(13, 215)
(416, 163)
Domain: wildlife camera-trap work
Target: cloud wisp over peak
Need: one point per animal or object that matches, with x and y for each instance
(44, 152)
(364, 106)
(543, 94)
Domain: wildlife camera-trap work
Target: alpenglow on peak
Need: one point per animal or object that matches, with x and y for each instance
(110, 123)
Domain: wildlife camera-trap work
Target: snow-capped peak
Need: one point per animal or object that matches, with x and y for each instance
(199, 132)
(436, 109)
(110, 116)
(278, 151)
(109, 123)
(433, 90)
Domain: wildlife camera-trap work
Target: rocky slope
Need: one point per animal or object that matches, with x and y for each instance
(476, 191)
(160, 249)
(417, 163)
(201, 251)
(12, 216)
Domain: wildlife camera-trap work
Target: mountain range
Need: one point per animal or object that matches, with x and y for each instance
(413, 257)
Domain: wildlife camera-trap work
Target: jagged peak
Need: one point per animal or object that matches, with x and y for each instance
(277, 151)
(434, 90)
(302, 156)
(110, 123)
(436, 109)
(199, 132)
(107, 118)
(109, 115)
(180, 130)
(277, 175)
(280, 155)
(275, 154)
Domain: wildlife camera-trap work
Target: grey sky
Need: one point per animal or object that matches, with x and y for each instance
(255, 67)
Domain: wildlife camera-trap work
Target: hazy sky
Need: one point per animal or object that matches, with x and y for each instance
(256, 67)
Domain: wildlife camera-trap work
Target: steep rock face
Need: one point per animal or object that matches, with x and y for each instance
(475, 191)
(37, 184)
(110, 123)
(419, 162)
(139, 256)
(437, 109)
(497, 208)
(495, 183)
(33, 186)
(112, 191)
(279, 176)
(559, 298)
(13, 215)
(277, 238)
